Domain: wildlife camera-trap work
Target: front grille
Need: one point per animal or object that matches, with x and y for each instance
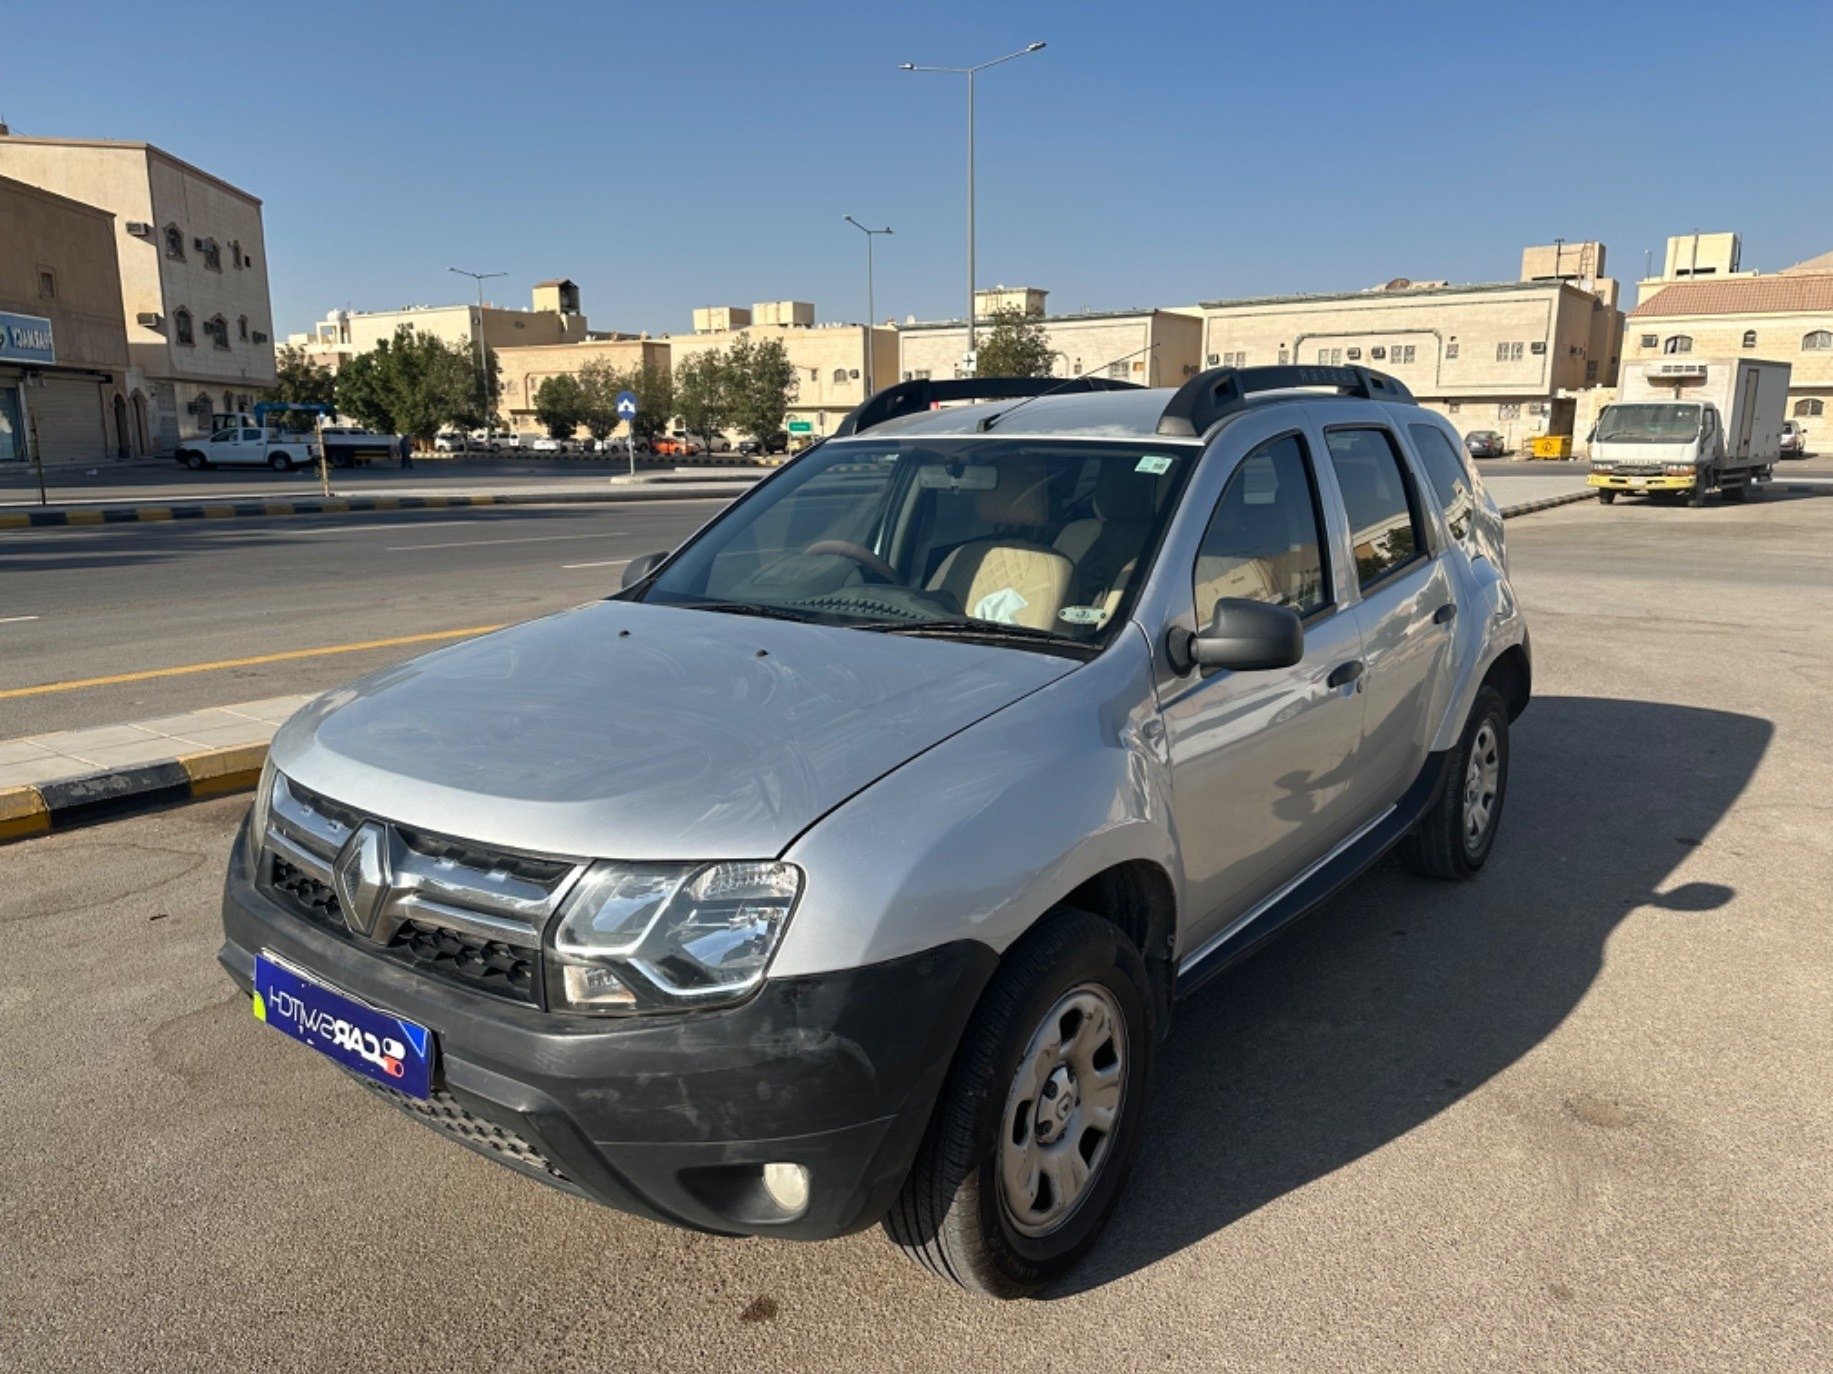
(443, 1113)
(488, 965)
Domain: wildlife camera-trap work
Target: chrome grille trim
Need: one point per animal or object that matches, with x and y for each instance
(434, 880)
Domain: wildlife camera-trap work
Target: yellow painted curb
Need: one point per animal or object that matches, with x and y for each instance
(84, 517)
(22, 813)
(218, 772)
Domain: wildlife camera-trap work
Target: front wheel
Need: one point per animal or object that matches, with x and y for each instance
(1607, 498)
(1454, 838)
(195, 461)
(1035, 1129)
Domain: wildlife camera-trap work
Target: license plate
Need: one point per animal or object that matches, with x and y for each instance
(395, 1053)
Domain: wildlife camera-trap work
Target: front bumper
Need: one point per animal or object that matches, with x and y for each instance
(670, 1117)
(1617, 481)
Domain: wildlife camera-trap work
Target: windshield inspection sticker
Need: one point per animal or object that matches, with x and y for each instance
(1082, 615)
(1000, 607)
(1155, 463)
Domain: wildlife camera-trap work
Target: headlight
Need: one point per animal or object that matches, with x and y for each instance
(257, 817)
(660, 937)
(1603, 467)
(1679, 469)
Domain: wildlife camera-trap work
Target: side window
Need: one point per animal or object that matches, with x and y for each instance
(1445, 470)
(1264, 541)
(1385, 531)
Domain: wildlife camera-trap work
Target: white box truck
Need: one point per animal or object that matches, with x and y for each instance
(1690, 426)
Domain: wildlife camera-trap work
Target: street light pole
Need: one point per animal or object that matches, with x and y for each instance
(483, 368)
(871, 306)
(969, 73)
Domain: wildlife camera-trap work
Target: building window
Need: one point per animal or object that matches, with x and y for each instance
(1809, 407)
(47, 284)
(1450, 350)
(1538, 347)
(213, 255)
(259, 337)
(174, 242)
(235, 252)
(218, 329)
(1453, 407)
(1283, 358)
(1117, 370)
(1329, 357)
(241, 327)
(1401, 353)
(1508, 352)
(1818, 342)
(1650, 341)
(922, 374)
(1750, 338)
(1353, 354)
(1509, 410)
(1678, 343)
(1215, 360)
(1591, 370)
(181, 327)
(839, 375)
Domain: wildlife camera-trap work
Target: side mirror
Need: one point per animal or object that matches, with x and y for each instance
(639, 568)
(1247, 635)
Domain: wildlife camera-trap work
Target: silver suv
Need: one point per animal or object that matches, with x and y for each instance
(846, 866)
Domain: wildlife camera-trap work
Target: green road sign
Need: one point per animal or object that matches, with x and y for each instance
(801, 427)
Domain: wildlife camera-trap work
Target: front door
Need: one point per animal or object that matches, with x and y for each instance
(1407, 632)
(1261, 760)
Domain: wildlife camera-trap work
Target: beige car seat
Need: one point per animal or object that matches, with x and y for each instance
(1009, 577)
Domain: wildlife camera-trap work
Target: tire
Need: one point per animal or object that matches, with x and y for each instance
(1441, 845)
(195, 461)
(1607, 497)
(953, 1215)
(280, 463)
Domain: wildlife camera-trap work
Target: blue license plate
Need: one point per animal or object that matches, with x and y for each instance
(395, 1053)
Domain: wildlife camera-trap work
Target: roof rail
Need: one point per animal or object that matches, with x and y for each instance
(909, 398)
(1220, 391)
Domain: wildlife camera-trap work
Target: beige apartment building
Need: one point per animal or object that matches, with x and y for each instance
(192, 262)
(1149, 347)
(1786, 316)
(1510, 356)
(833, 363)
(525, 367)
(63, 342)
(553, 318)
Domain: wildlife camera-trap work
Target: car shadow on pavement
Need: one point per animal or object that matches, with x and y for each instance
(1401, 995)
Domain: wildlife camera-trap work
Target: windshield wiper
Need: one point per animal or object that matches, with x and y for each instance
(966, 627)
(756, 608)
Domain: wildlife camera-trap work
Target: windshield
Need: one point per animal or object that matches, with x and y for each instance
(1042, 543)
(1649, 424)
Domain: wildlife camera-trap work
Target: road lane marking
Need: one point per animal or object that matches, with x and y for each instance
(391, 525)
(612, 563)
(15, 619)
(78, 684)
(523, 539)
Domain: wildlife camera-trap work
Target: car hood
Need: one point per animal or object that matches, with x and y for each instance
(623, 730)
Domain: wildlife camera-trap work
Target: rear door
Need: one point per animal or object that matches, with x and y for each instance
(1405, 611)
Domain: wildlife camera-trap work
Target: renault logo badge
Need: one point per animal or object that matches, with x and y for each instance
(361, 877)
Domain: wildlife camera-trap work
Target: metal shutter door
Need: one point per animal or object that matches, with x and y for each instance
(68, 414)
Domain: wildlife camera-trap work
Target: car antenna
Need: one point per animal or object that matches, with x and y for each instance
(999, 415)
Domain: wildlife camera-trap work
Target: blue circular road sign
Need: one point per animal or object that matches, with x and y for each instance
(626, 405)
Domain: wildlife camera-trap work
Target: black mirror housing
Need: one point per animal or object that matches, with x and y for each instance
(639, 568)
(1247, 635)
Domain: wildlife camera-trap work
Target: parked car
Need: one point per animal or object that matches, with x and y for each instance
(496, 440)
(847, 865)
(248, 445)
(678, 446)
(1486, 443)
(750, 447)
(548, 444)
(777, 442)
(1794, 439)
(450, 443)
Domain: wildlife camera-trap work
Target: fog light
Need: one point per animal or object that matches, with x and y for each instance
(596, 988)
(787, 1185)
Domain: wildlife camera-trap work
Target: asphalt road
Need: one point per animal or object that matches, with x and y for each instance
(108, 601)
(1577, 1114)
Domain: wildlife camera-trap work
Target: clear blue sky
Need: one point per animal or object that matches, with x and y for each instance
(669, 155)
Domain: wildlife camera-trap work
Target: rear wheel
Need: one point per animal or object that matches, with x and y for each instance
(280, 462)
(1035, 1129)
(1454, 838)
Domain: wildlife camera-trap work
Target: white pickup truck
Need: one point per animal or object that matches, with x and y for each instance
(248, 446)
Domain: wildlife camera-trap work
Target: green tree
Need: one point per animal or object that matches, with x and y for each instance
(703, 395)
(413, 384)
(560, 405)
(760, 383)
(654, 386)
(300, 381)
(599, 383)
(1015, 346)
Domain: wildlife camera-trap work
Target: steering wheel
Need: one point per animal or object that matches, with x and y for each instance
(859, 554)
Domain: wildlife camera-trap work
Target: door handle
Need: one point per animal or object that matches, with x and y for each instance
(1445, 614)
(1345, 673)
